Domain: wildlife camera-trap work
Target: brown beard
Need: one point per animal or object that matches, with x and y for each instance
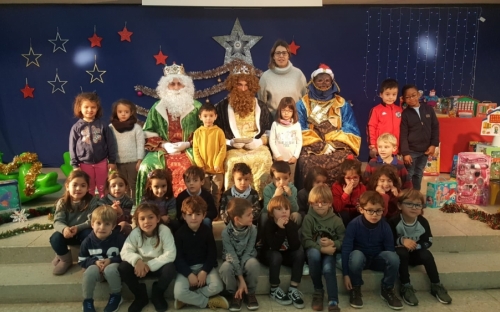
(242, 102)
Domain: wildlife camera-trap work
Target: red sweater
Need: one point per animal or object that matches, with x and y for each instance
(344, 202)
(383, 118)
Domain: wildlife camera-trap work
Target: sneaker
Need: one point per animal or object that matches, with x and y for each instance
(296, 296)
(218, 302)
(390, 297)
(333, 307)
(280, 296)
(407, 293)
(178, 304)
(317, 301)
(235, 305)
(113, 303)
(305, 269)
(355, 299)
(88, 305)
(252, 303)
(440, 293)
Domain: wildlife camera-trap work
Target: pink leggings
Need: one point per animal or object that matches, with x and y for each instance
(98, 174)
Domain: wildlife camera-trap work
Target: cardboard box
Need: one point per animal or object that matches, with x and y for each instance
(481, 147)
(453, 173)
(473, 144)
(9, 196)
(473, 178)
(432, 167)
(494, 152)
(483, 107)
(440, 192)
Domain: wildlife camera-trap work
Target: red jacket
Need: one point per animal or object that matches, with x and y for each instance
(344, 202)
(383, 118)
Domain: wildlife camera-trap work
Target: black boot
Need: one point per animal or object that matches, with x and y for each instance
(158, 299)
(141, 299)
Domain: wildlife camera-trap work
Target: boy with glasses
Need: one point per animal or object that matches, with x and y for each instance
(369, 244)
(413, 239)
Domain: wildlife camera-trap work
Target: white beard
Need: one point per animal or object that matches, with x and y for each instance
(177, 103)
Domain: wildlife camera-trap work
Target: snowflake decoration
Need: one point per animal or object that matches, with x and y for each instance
(19, 216)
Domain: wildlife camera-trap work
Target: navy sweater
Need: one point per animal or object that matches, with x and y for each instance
(370, 242)
(418, 133)
(93, 249)
(195, 248)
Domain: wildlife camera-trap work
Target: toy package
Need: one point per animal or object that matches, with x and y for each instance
(473, 144)
(473, 177)
(440, 192)
(483, 107)
(9, 196)
(453, 173)
(494, 152)
(432, 167)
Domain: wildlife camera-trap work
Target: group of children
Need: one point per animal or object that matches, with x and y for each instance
(291, 227)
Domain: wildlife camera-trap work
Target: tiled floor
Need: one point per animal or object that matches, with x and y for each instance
(464, 301)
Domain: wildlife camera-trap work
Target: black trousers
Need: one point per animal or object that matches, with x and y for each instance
(165, 274)
(294, 259)
(416, 257)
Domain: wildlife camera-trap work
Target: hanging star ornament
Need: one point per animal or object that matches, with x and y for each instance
(125, 34)
(27, 91)
(96, 72)
(293, 47)
(57, 84)
(58, 42)
(31, 57)
(161, 58)
(237, 44)
(95, 40)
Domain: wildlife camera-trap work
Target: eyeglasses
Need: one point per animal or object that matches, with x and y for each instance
(372, 212)
(317, 205)
(281, 53)
(409, 97)
(412, 205)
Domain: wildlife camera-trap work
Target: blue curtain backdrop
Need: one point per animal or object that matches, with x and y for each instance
(441, 48)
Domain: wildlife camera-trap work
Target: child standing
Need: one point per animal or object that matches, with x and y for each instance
(385, 117)
(71, 219)
(413, 238)
(100, 257)
(347, 190)
(117, 188)
(386, 147)
(419, 134)
(322, 234)
(198, 282)
(285, 139)
(209, 149)
(242, 188)
(369, 244)
(159, 192)
(92, 147)
(193, 178)
(240, 270)
(281, 245)
(148, 251)
(386, 182)
(314, 177)
(281, 185)
(129, 140)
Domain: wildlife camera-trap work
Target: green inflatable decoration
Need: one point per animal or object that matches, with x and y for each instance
(45, 183)
(66, 168)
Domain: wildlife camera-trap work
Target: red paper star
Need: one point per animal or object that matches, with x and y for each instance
(95, 41)
(293, 47)
(125, 34)
(160, 58)
(27, 91)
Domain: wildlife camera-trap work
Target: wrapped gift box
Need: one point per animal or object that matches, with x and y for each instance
(9, 196)
(473, 178)
(441, 192)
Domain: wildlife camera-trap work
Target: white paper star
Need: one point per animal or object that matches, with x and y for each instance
(59, 82)
(19, 216)
(237, 44)
(58, 43)
(28, 58)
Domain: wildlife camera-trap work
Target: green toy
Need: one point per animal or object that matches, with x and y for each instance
(45, 183)
(66, 168)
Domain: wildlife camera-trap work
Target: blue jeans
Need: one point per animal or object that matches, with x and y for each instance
(60, 244)
(323, 264)
(416, 169)
(386, 261)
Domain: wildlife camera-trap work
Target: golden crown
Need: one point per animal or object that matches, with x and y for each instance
(243, 69)
(174, 69)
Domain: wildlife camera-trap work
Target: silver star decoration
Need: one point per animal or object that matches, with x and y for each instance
(29, 57)
(237, 44)
(60, 83)
(96, 72)
(58, 42)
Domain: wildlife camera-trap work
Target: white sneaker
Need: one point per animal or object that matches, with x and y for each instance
(305, 269)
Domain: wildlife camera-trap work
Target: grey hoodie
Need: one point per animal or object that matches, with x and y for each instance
(315, 227)
(238, 246)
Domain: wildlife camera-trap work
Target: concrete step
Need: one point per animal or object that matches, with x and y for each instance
(34, 282)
